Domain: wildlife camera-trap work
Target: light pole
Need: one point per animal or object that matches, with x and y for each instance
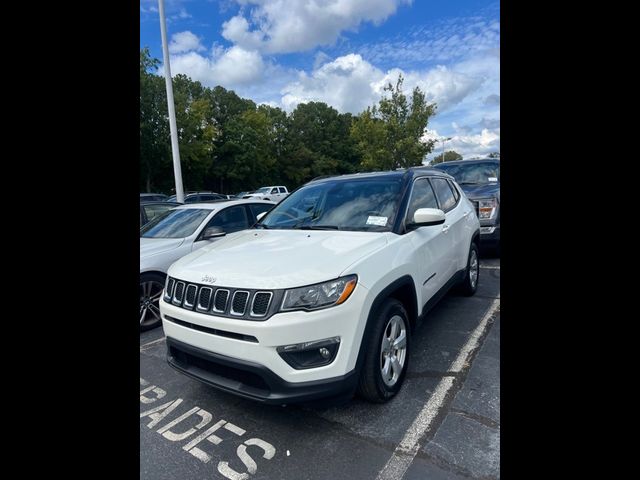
(175, 150)
(442, 140)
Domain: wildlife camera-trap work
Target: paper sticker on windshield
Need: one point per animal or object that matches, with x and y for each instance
(380, 221)
(492, 179)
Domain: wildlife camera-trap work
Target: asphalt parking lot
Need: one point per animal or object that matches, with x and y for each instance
(444, 423)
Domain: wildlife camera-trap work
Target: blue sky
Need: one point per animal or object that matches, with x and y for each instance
(343, 52)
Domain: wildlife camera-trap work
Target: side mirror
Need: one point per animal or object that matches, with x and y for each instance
(425, 217)
(260, 215)
(213, 232)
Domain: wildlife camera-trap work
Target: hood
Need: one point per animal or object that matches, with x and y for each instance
(153, 246)
(482, 190)
(273, 259)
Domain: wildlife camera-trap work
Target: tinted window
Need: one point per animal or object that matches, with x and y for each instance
(369, 204)
(152, 211)
(456, 193)
(282, 190)
(175, 223)
(422, 196)
(444, 194)
(473, 173)
(258, 209)
(274, 190)
(231, 219)
(191, 199)
(208, 196)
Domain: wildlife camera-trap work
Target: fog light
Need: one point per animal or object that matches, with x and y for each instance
(487, 230)
(310, 354)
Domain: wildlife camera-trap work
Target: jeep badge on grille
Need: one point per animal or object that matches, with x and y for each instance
(208, 279)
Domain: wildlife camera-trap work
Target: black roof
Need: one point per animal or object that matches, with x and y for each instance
(468, 162)
(398, 173)
(160, 202)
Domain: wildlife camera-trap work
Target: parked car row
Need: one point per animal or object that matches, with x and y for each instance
(480, 180)
(179, 231)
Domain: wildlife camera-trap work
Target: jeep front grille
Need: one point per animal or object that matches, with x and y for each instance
(222, 301)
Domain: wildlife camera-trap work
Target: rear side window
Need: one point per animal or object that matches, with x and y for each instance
(231, 219)
(444, 194)
(421, 197)
(257, 209)
(282, 190)
(456, 193)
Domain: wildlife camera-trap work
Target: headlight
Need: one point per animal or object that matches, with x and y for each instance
(487, 208)
(320, 295)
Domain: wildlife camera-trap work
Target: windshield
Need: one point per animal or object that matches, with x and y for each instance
(357, 205)
(474, 173)
(178, 223)
(263, 190)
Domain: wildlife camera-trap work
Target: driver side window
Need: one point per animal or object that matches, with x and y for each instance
(231, 220)
(422, 196)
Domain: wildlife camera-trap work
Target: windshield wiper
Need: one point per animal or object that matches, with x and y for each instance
(260, 225)
(468, 183)
(316, 227)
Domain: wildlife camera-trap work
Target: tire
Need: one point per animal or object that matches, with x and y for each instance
(470, 283)
(371, 385)
(266, 200)
(151, 287)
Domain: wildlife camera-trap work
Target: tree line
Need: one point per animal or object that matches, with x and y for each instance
(228, 143)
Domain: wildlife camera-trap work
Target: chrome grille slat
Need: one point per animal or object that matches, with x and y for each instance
(179, 293)
(238, 302)
(204, 299)
(190, 296)
(220, 300)
(168, 290)
(263, 301)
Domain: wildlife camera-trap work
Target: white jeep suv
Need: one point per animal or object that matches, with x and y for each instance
(321, 296)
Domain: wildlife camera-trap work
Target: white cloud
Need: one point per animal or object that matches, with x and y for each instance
(230, 68)
(284, 26)
(467, 144)
(350, 83)
(184, 42)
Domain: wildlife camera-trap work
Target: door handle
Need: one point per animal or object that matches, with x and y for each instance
(445, 228)
(465, 213)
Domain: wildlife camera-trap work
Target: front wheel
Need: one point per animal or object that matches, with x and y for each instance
(386, 354)
(151, 287)
(472, 273)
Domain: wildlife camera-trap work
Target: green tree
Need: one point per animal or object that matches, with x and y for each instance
(318, 142)
(449, 156)
(390, 135)
(494, 155)
(155, 147)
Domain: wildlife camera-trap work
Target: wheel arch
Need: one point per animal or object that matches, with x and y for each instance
(157, 272)
(402, 289)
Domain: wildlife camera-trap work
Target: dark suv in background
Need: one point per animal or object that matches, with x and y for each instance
(200, 197)
(480, 180)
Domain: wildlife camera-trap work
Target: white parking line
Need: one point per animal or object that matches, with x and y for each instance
(142, 347)
(407, 449)
(491, 267)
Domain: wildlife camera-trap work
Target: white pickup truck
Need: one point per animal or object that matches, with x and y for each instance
(273, 194)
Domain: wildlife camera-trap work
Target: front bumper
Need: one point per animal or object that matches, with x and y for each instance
(252, 346)
(489, 235)
(251, 380)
